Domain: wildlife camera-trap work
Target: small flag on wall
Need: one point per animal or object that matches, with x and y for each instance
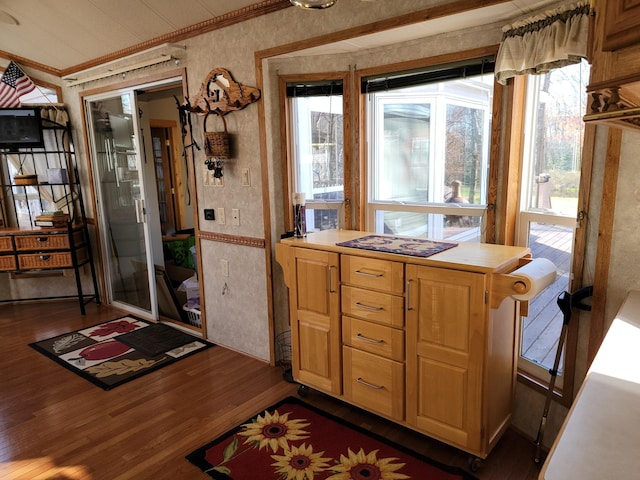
(13, 85)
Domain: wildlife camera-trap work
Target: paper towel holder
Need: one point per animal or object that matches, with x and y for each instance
(512, 284)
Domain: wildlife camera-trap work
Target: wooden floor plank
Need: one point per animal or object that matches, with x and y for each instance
(55, 424)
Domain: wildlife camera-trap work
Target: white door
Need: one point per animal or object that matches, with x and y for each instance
(117, 163)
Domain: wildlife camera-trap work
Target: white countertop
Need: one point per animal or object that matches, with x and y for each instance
(600, 437)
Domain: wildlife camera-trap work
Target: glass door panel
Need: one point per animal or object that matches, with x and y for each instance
(119, 185)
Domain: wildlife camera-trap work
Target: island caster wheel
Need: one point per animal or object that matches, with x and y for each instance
(303, 390)
(475, 463)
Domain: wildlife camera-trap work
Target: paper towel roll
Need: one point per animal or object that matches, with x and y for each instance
(536, 276)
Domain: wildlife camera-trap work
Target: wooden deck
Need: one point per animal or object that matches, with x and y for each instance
(541, 329)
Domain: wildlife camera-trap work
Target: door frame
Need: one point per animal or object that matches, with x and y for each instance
(164, 78)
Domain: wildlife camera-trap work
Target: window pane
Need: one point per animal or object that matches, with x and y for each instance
(319, 150)
(558, 102)
(541, 328)
(321, 219)
(402, 171)
(429, 146)
(465, 143)
(429, 225)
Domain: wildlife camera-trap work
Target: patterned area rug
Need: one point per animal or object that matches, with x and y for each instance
(295, 441)
(112, 353)
(417, 247)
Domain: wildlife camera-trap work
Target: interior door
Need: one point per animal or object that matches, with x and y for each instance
(119, 182)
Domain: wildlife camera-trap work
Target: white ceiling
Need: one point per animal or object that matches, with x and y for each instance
(48, 31)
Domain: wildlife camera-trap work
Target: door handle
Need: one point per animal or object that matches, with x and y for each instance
(140, 210)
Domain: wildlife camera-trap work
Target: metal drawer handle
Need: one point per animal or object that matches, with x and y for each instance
(367, 339)
(367, 274)
(44, 258)
(43, 239)
(369, 307)
(330, 278)
(370, 385)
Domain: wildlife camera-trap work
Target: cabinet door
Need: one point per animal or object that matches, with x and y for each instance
(446, 316)
(315, 329)
(622, 24)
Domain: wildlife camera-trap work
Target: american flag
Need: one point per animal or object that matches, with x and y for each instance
(13, 85)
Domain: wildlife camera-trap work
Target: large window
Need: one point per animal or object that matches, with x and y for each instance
(428, 138)
(317, 150)
(550, 183)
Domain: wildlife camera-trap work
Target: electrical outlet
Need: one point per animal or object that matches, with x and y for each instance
(235, 217)
(209, 214)
(220, 215)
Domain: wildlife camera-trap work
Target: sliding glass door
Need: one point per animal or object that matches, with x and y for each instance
(119, 182)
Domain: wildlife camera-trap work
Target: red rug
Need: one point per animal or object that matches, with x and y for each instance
(295, 441)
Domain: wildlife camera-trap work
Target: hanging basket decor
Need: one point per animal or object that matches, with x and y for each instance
(217, 144)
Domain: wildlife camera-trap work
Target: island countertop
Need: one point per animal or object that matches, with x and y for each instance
(471, 256)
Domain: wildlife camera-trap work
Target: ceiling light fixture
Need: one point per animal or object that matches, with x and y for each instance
(313, 4)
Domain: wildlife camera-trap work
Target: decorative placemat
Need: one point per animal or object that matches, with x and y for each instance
(417, 247)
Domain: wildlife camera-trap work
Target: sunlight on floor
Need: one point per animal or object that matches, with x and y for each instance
(44, 468)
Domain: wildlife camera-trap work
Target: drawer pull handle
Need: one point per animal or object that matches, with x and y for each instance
(367, 274)
(369, 307)
(370, 385)
(44, 258)
(367, 339)
(43, 239)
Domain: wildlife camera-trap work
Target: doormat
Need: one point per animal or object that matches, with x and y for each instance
(293, 440)
(112, 353)
(416, 247)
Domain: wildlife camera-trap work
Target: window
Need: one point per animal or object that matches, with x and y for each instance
(553, 139)
(316, 123)
(428, 136)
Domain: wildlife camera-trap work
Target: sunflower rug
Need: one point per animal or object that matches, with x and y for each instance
(114, 352)
(295, 441)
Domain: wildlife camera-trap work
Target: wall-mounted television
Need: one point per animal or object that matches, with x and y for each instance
(20, 128)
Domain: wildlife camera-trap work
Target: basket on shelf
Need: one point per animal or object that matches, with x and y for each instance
(217, 144)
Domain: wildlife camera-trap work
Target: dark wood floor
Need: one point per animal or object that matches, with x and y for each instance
(55, 425)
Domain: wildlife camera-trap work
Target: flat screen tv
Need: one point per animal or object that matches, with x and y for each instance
(20, 128)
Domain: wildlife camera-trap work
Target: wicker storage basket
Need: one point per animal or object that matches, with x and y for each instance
(217, 144)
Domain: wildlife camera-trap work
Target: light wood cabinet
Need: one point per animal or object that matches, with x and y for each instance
(314, 302)
(425, 342)
(614, 84)
(446, 318)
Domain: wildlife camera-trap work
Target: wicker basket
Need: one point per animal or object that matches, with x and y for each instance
(217, 144)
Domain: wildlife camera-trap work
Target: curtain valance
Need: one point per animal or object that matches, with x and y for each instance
(540, 43)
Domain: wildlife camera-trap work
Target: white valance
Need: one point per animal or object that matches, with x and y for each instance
(538, 44)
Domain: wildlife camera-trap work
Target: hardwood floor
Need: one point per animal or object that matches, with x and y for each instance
(55, 425)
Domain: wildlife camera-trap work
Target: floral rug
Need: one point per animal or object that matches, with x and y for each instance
(112, 353)
(416, 247)
(295, 441)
